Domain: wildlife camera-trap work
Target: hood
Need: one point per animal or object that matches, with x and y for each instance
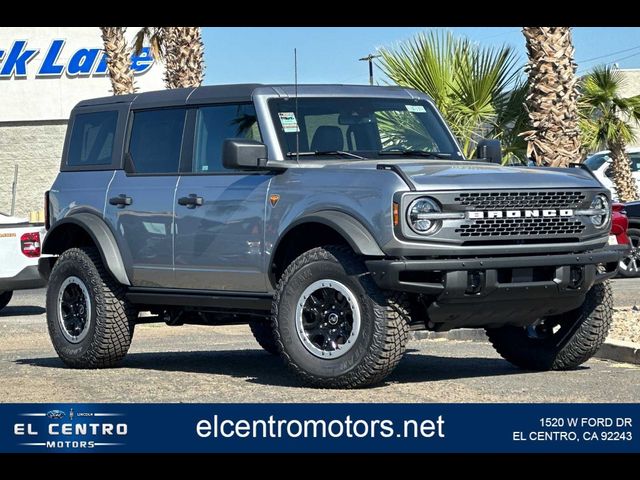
(467, 175)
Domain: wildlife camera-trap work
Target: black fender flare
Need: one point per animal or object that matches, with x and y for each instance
(356, 234)
(102, 237)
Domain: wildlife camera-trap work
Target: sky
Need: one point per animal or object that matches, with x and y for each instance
(330, 54)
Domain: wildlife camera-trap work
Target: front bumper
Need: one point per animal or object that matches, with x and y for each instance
(498, 290)
(28, 277)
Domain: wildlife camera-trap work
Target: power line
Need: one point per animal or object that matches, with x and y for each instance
(608, 54)
(498, 34)
(628, 56)
(612, 61)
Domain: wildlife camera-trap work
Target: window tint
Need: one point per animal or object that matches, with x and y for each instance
(635, 161)
(213, 126)
(156, 139)
(92, 139)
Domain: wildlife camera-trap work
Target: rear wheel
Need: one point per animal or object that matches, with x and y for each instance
(5, 298)
(334, 327)
(561, 342)
(263, 333)
(89, 319)
(630, 265)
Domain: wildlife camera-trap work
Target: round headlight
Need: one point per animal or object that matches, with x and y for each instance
(600, 202)
(418, 215)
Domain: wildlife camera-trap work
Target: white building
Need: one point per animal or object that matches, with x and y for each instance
(631, 88)
(44, 72)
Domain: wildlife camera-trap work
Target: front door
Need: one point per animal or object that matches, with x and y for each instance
(219, 213)
(140, 200)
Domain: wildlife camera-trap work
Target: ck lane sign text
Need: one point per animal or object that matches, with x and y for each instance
(17, 61)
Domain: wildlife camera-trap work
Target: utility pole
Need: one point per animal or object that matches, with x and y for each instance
(369, 58)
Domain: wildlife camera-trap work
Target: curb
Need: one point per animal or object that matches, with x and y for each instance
(615, 350)
(620, 351)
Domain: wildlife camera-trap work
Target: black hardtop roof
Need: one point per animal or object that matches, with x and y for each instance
(241, 92)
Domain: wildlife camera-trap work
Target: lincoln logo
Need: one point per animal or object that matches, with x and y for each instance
(521, 213)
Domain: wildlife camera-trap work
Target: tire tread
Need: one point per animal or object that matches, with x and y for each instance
(391, 330)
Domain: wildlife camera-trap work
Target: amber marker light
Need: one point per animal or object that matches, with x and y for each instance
(396, 214)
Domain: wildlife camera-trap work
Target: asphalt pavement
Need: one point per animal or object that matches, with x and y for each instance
(224, 364)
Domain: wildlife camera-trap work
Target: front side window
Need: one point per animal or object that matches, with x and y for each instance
(214, 125)
(156, 140)
(92, 139)
(635, 161)
(367, 127)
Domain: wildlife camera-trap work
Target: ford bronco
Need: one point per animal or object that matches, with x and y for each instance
(332, 219)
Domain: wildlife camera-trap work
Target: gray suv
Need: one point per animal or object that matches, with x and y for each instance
(332, 219)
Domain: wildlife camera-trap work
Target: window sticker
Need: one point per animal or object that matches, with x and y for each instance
(416, 108)
(289, 122)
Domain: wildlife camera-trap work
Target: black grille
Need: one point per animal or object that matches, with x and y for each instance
(509, 227)
(516, 200)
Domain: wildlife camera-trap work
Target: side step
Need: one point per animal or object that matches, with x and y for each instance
(200, 298)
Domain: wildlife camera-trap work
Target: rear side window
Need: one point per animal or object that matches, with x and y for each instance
(156, 140)
(635, 161)
(92, 139)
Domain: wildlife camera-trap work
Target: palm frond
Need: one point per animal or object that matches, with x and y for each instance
(468, 83)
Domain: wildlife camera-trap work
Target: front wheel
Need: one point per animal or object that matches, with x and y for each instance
(560, 342)
(630, 265)
(5, 298)
(333, 326)
(89, 319)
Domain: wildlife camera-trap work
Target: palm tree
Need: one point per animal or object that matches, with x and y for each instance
(180, 48)
(469, 84)
(552, 102)
(118, 60)
(607, 120)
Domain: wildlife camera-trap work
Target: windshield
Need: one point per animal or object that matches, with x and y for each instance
(348, 128)
(595, 161)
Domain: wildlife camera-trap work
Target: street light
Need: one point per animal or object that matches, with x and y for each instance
(369, 58)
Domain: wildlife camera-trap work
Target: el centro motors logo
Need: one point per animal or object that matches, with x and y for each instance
(61, 429)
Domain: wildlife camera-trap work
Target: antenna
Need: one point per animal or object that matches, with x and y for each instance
(295, 78)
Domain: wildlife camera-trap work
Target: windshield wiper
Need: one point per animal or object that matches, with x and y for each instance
(327, 152)
(417, 153)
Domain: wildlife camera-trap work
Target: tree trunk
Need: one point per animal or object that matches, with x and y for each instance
(183, 57)
(118, 60)
(626, 186)
(552, 98)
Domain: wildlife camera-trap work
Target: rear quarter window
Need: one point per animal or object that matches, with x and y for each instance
(92, 139)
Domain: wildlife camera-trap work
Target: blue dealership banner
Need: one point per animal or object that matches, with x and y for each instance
(476, 428)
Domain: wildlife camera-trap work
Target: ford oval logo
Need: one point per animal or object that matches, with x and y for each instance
(55, 414)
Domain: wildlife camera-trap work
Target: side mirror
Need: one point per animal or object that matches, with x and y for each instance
(489, 151)
(241, 153)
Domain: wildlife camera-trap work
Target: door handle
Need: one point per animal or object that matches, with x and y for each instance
(121, 200)
(192, 201)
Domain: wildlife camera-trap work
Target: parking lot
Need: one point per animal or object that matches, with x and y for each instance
(224, 364)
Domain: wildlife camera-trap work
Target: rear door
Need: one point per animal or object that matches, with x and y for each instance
(140, 200)
(219, 242)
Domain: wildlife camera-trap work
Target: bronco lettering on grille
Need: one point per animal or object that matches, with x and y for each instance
(521, 213)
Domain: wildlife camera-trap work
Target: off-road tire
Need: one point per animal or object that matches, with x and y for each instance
(5, 298)
(112, 316)
(263, 333)
(384, 329)
(587, 328)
